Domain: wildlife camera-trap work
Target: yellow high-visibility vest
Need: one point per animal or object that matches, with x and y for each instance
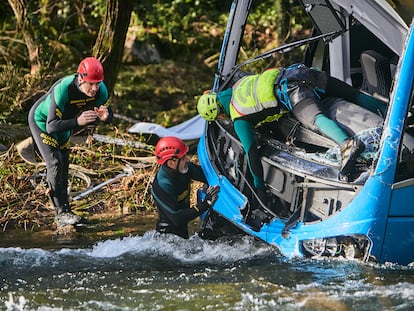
(254, 93)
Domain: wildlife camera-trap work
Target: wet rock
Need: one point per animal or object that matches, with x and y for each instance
(137, 52)
(65, 230)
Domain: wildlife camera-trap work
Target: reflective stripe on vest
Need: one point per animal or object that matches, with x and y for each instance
(253, 94)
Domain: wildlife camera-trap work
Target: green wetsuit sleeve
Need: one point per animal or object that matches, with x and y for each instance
(224, 97)
(330, 128)
(103, 98)
(245, 132)
(57, 100)
(103, 95)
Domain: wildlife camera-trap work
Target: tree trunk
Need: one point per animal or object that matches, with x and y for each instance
(109, 45)
(285, 24)
(26, 27)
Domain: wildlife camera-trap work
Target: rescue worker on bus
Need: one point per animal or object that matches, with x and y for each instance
(266, 97)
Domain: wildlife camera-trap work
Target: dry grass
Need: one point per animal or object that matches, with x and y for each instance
(24, 203)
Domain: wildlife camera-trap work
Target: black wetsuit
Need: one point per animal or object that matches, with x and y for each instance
(171, 192)
(51, 120)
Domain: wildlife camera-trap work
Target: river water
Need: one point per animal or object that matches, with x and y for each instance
(152, 272)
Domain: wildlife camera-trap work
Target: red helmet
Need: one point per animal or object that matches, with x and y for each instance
(168, 148)
(91, 70)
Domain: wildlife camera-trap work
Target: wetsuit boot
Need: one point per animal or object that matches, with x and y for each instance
(64, 216)
(351, 148)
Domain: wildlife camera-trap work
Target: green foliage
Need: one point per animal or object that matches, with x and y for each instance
(10, 85)
(174, 19)
(65, 30)
(19, 90)
(161, 93)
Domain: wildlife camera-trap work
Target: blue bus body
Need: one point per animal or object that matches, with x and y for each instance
(370, 218)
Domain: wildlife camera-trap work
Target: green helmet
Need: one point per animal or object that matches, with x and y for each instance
(208, 107)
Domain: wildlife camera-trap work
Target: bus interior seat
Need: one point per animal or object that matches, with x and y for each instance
(376, 74)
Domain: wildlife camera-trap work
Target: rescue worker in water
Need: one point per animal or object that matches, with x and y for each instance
(266, 97)
(171, 188)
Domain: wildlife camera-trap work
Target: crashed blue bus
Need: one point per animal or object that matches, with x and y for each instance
(313, 212)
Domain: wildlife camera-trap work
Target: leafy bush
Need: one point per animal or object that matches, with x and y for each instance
(19, 90)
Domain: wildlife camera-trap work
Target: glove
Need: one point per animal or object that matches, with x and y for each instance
(210, 198)
(212, 195)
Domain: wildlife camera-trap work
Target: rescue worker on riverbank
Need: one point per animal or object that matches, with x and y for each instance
(266, 97)
(171, 188)
(74, 101)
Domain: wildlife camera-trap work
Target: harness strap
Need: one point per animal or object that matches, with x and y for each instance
(282, 94)
(288, 81)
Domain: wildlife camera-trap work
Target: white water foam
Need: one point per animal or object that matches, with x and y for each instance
(193, 249)
(18, 305)
(151, 245)
(33, 257)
